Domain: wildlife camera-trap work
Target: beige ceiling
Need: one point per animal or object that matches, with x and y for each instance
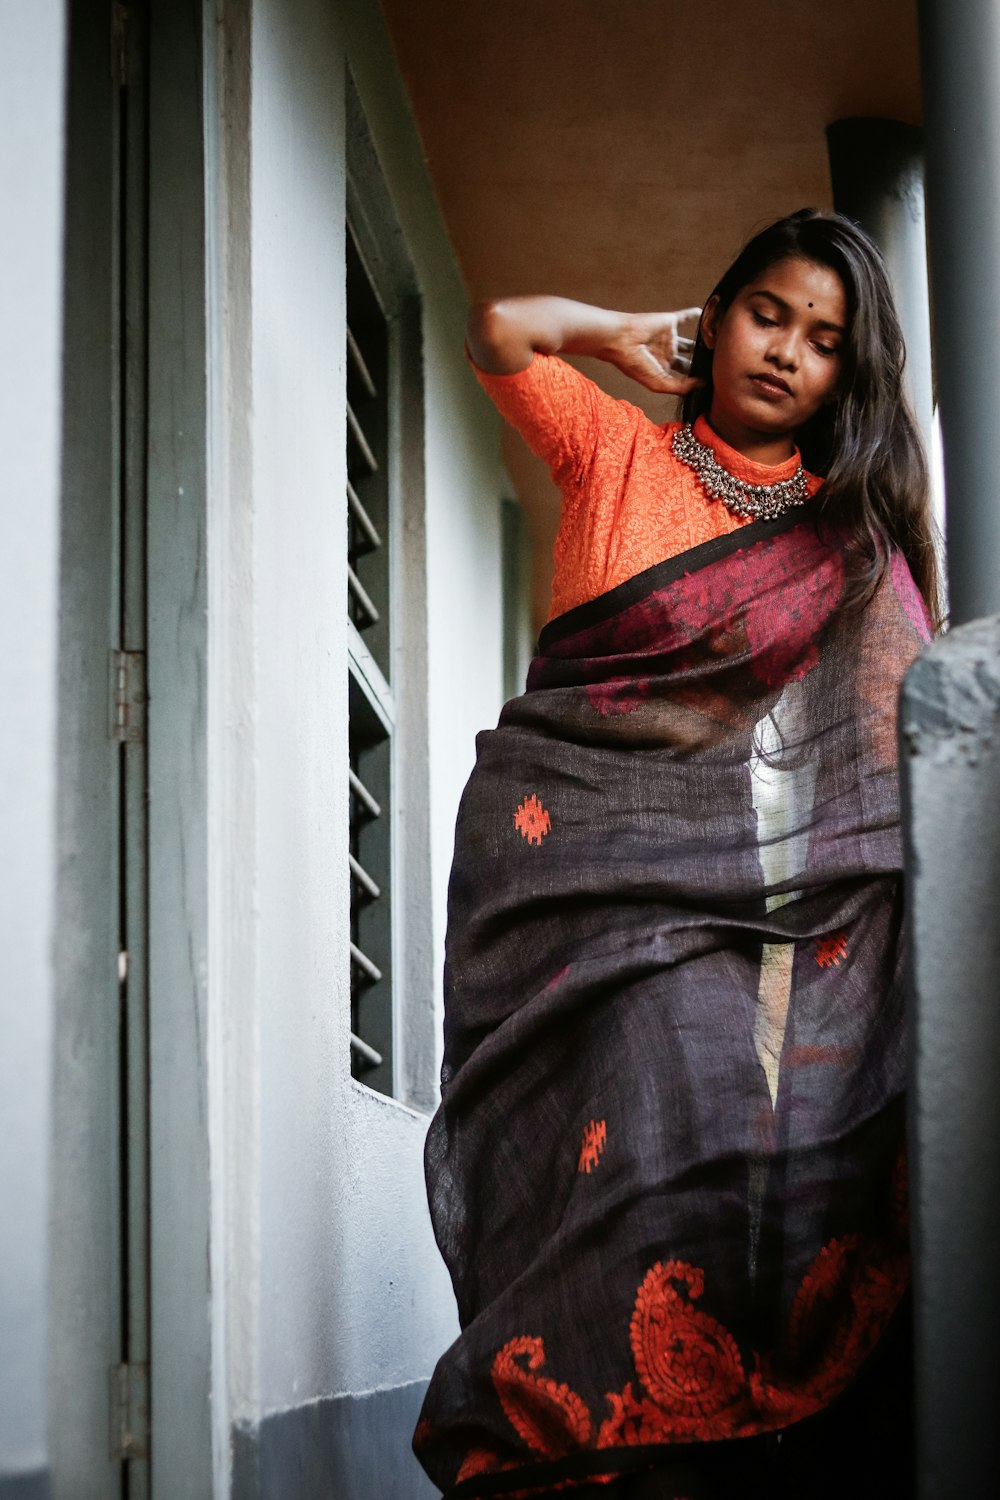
(620, 151)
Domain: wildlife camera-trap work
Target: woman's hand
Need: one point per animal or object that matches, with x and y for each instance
(653, 348)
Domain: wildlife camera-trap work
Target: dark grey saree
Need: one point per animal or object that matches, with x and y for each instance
(667, 1171)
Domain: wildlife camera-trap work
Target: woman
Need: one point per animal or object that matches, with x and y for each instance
(667, 1170)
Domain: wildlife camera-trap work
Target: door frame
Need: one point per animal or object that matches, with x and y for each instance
(189, 1441)
(183, 1247)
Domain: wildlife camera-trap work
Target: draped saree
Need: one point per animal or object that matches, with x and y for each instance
(667, 1174)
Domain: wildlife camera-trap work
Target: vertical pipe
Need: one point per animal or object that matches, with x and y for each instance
(960, 54)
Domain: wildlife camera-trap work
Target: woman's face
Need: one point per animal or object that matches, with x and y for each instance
(776, 350)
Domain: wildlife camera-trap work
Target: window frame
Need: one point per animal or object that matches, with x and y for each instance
(377, 235)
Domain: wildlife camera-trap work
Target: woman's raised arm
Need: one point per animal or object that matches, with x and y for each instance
(504, 335)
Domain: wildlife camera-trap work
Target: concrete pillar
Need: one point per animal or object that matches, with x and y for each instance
(960, 53)
(877, 175)
(950, 744)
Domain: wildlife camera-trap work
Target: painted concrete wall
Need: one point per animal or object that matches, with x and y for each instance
(331, 1283)
(31, 162)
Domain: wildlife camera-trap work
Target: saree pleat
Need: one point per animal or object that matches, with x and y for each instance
(667, 1173)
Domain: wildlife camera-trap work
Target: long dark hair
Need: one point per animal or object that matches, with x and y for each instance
(865, 446)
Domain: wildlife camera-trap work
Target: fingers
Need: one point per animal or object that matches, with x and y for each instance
(672, 385)
(689, 315)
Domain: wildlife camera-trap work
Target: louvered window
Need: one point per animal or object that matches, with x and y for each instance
(370, 422)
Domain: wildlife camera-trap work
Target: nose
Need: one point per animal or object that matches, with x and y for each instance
(783, 349)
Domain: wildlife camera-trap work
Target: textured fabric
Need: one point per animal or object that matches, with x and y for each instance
(666, 1174)
(628, 502)
(860, 1446)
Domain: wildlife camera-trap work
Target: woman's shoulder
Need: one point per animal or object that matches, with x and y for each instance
(552, 402)
(544, 374)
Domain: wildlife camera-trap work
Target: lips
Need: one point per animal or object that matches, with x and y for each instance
(771, 385)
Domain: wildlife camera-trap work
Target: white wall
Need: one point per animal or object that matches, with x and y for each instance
(332, 1282)
(324, 1272)
(31, 188)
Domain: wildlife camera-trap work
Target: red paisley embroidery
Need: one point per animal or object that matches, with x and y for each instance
(842, 1308)
(635, 1420)
(692, 1385)
(686, 1360)
(550, 1418)
(821, 1304)
(478, 1461)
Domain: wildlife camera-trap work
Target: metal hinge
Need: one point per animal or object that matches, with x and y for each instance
(128, 697)
(129, 1412)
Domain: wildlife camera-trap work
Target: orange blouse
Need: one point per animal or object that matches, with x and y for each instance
(628, 501)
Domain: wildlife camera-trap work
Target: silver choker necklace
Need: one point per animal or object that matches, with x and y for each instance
(761, 501)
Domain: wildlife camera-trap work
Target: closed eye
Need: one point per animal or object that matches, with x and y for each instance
(759, 318)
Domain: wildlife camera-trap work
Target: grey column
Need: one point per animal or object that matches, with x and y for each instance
(960, 52)
(950, 742)
(877, 176)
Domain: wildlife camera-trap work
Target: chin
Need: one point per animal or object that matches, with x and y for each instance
(760, 416)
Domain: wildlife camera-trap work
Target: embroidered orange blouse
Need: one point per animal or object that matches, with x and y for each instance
(628, 502)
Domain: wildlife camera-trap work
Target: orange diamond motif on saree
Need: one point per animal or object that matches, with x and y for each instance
(595, 1138)
(532, 821)
(830, 950)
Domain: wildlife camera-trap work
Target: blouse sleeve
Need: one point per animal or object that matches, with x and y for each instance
(561, 415)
